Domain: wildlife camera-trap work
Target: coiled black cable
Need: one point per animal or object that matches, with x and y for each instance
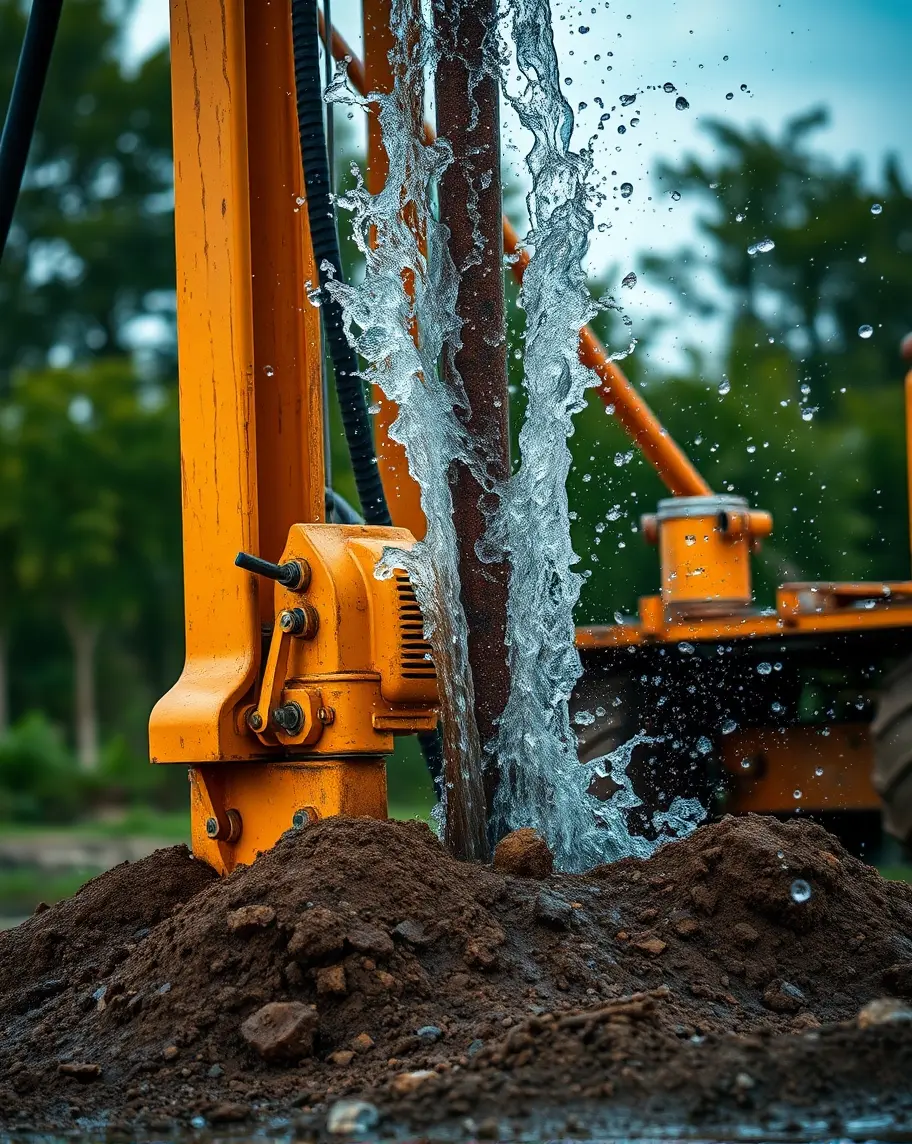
(28, 86)
(320, 213)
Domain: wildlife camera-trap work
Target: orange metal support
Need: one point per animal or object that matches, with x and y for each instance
(251, 443)
(631, 411)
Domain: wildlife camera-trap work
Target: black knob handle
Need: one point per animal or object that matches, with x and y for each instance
(291, 575)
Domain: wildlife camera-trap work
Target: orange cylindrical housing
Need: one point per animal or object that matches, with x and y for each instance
(704, 549)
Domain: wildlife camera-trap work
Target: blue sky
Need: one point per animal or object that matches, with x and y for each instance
(853, 56)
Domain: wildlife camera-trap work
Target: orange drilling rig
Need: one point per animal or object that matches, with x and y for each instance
(301, 664)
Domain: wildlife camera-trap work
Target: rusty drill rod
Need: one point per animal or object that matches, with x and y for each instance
(471, 206)
(634, 415)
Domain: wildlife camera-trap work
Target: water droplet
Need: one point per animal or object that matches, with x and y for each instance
(629, 280)
(622, 130)
(800, 890)
(745, 764)
(668, 87)
(724, 386)
(763, 246)
(268, 370)
(676, 196)
(865, 331)
(689, 540)
(725, 57)
(863, 259)
(626, 100)
(765, 668)
(818, 771)
(796, 794)
(626, 190)
(686, 648)
(729, 95)
(876, 209)
(583, 29)
(744, 87)
(704, 746)
(374, 408)
(681, 103)
(583, 718)
(728, 726)
(568, 81)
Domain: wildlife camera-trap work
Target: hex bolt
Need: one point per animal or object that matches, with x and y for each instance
(303, 621)
(229, 832)
(326, 715)
(289, 718)
(254, 720)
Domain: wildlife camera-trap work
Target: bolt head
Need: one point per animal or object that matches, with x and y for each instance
(299, 819)
(255, 721)
(288, 621)
(326, 715)
(212, 827)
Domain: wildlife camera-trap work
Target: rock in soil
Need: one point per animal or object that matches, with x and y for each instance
(358, 975)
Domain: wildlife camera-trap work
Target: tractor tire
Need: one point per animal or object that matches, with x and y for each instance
(891, 731)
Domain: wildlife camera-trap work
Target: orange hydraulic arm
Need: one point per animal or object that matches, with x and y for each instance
(632, 412)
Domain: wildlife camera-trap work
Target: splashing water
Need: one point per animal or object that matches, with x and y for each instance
(411, 284)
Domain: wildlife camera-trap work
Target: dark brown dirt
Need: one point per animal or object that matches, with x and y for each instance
(690, 988)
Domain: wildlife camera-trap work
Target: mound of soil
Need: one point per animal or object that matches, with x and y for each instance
(727, 979)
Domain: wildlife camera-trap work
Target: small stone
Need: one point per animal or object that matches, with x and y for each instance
(385, 980)
(331, 980)
(249, 919)
(282, 1030)
(170, 1052)
(475, 1047)
(82, 1071)
(524, 853)
(745, 934)
(370, 940)
(489, 1129)
(215, 1071)
(362, 1043)
(687, 927)
(429, 1033)
(411, 932)
(320, 933)
(41, 908)
(783, 997)
(883, 1011)
(744, 1082)
(351, 1118)
(230, 1112)
(651, 945)
(481, 953)
(404, 1083)
(553, 911)
(341, 1057)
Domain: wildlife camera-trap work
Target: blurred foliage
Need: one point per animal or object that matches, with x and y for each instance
(784, 403)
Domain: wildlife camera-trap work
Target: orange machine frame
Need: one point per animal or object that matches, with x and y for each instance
(251, 423)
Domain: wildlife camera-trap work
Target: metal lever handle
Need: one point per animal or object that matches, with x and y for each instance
(290, 575)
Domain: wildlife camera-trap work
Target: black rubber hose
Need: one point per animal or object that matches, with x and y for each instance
(321, 215)
(19, 127)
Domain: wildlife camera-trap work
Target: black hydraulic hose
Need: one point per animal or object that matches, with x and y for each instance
(22, 113)
(321, 215)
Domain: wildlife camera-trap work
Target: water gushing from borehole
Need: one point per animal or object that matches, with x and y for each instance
(411, 285)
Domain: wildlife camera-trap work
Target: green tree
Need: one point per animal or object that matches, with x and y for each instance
(93, 503)
(91, 250)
